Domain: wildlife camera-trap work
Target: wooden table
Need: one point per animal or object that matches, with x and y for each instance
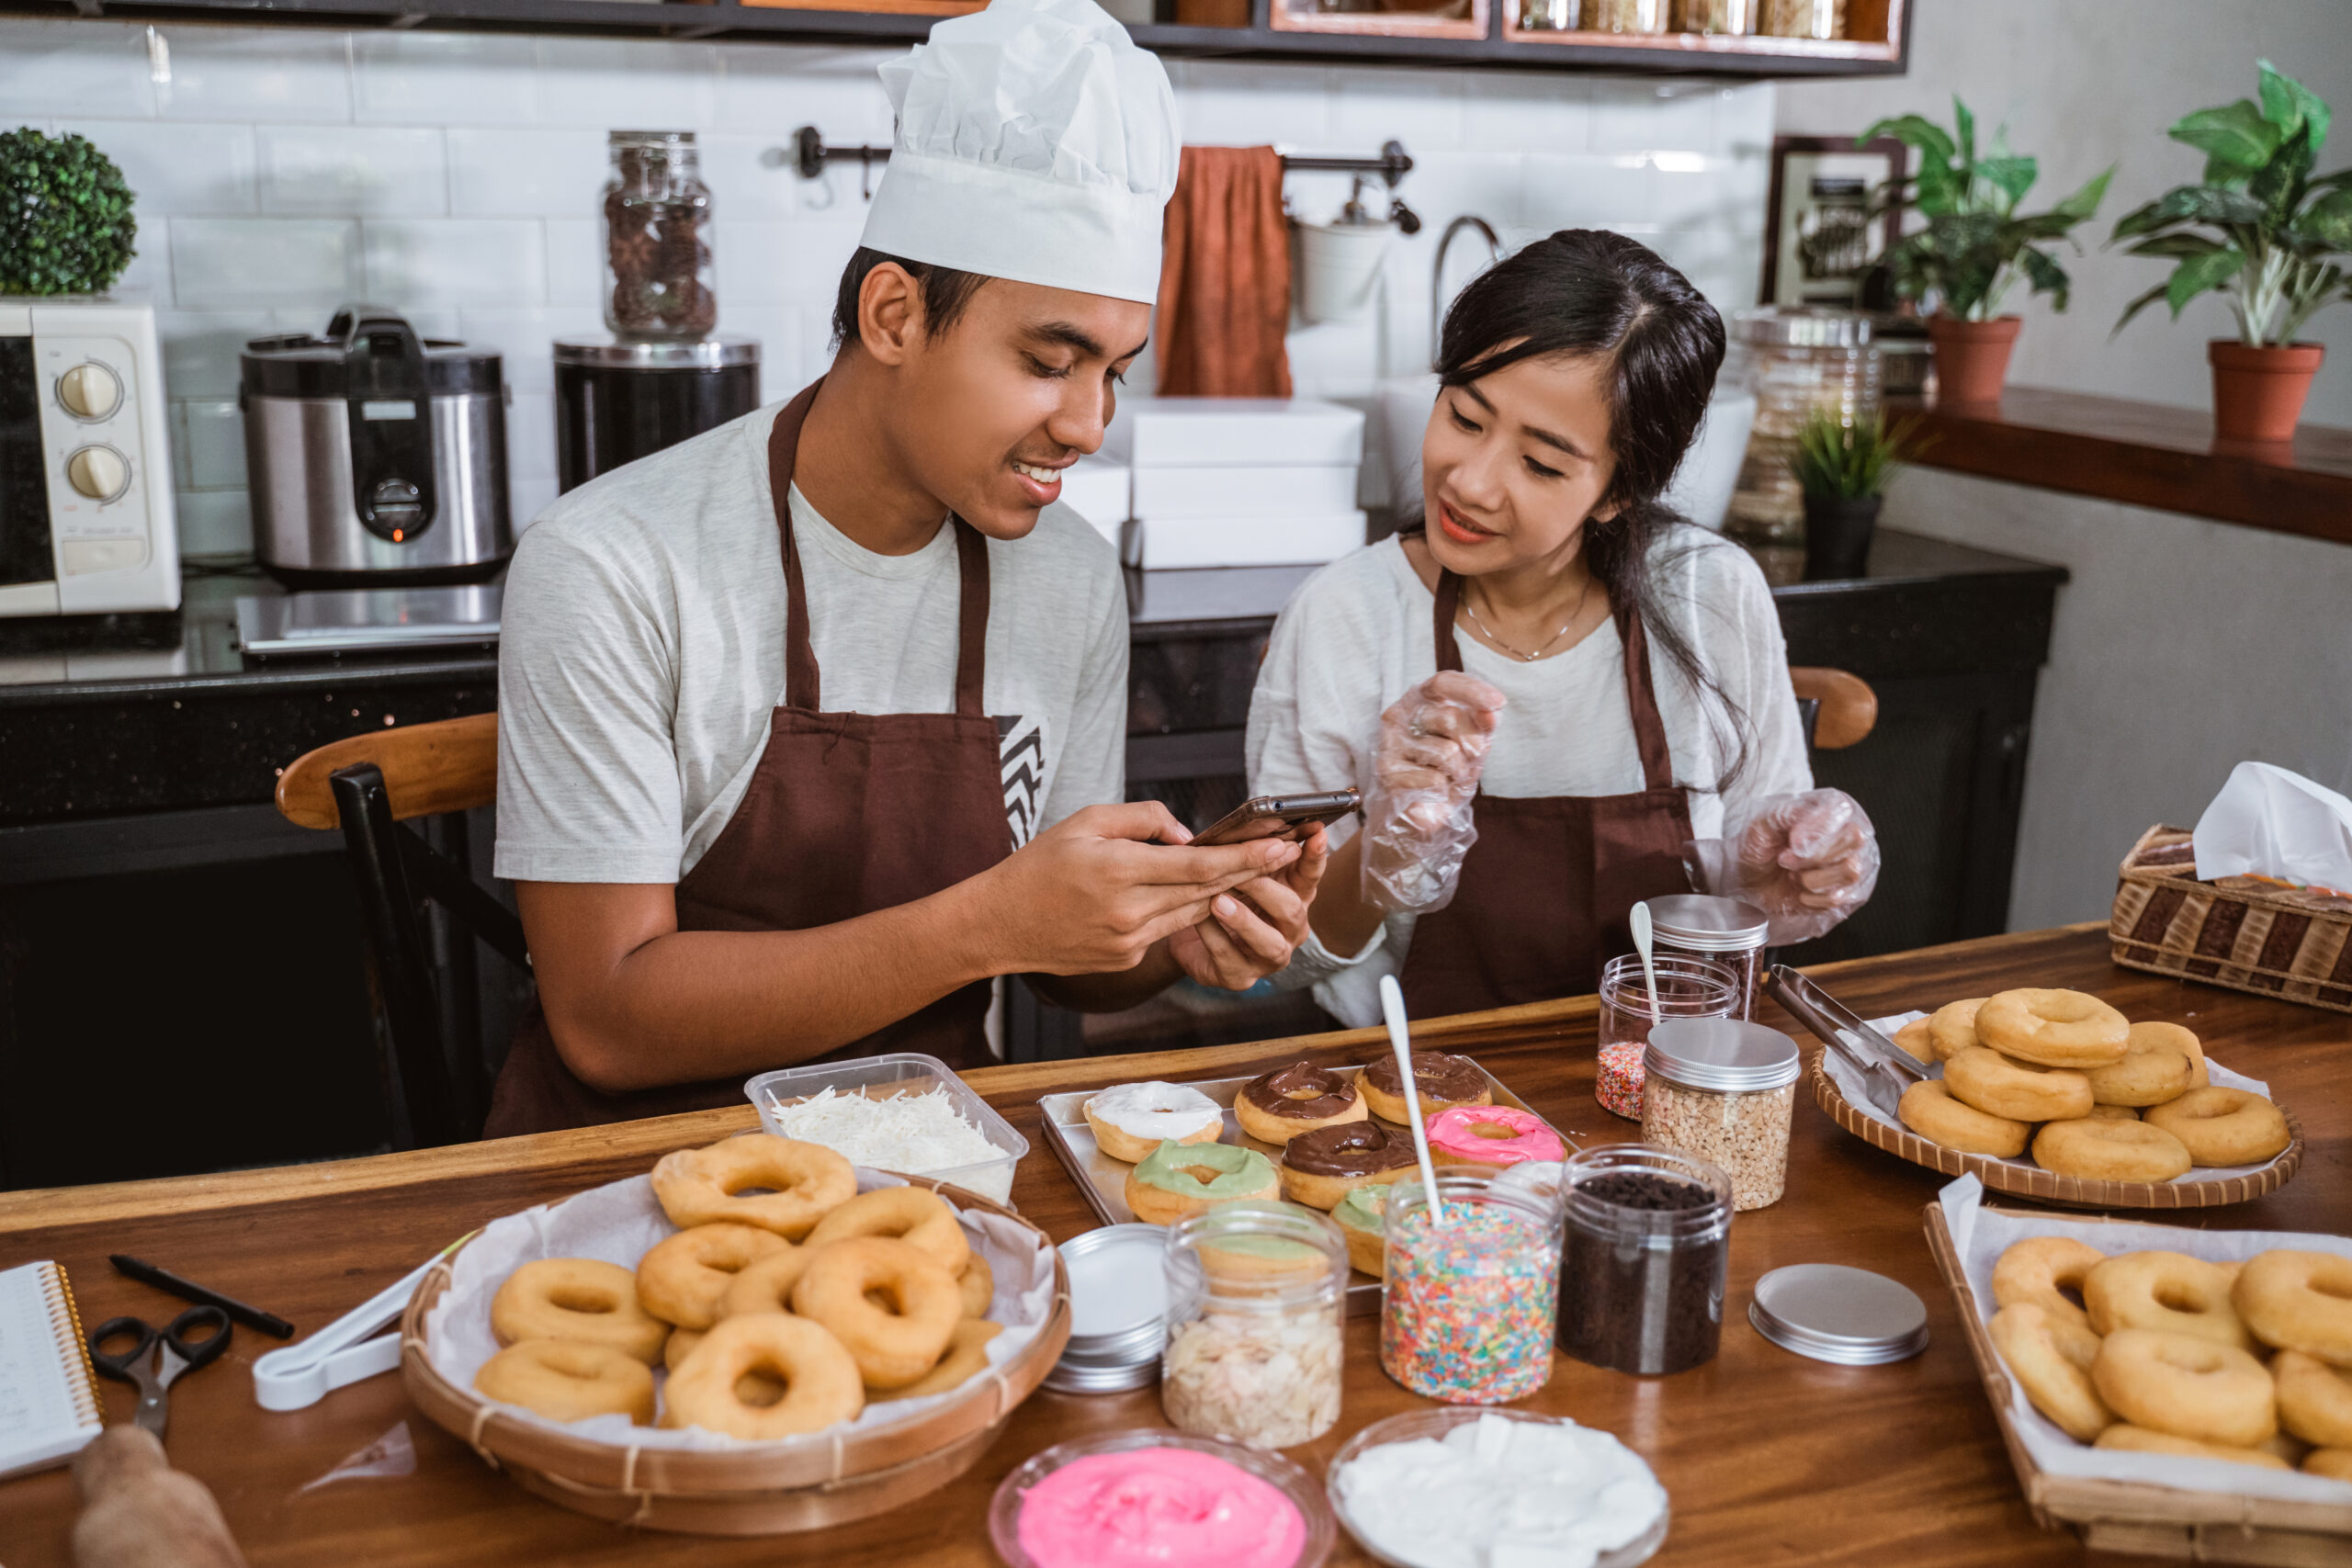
(1769, 1458)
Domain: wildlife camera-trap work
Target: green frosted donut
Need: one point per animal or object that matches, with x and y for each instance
(1239, 1171)
(1363, 1208)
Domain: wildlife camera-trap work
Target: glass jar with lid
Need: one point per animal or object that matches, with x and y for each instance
(1256, 1299)
(1804, 18)
(1626, 15)
(1795, 359)
(659, 278)
(1645, 1259)
(1686, 987)
(1469, 1304)
(1722, 1091)
(1728, 932)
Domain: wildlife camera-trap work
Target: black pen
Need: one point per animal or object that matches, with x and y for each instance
(189, 1291)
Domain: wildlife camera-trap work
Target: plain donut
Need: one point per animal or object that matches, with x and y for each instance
(577, 1299)
(895, 1341)
(967, 1357)
(1952, 1028)
(2170, 1291)
(2222, 1126)
(820, 1379)
(2035, 1271)
(679, 1280)
(2186, 1386)
(1929, 1109)
(2140, 1440)
(2018, 1090)
(2056, 1029)
(923, 1220)
(2156, 1067)
(2314, 1399)
(805, 1182)
(2099, 1149)
(566, 1380)
(2053, 1372)
(2299, 1300)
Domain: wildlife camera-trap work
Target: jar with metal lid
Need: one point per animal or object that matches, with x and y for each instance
(1727, 932)
(1804, 18)
(1256, 1297)
(1645, 1259)
(1737, 17)
(1626, 15)
(1795, 359)
(1722, 1091)
(1469, 1304)
(659, 278)
(1687, 987)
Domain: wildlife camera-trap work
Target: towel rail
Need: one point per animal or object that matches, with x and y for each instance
(810, 154)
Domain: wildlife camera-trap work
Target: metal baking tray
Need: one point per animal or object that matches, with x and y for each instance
(1104, 1180)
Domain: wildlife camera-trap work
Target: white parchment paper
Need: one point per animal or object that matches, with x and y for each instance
(618, 1224)
(1980, 1234)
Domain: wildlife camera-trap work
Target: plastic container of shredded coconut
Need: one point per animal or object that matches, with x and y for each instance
(920, 1118)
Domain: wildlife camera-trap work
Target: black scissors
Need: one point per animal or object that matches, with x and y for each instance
(174, 1354)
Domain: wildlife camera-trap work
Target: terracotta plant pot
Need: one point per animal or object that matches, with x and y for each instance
(2258, 392)
(1838, 532)
(1971, 357)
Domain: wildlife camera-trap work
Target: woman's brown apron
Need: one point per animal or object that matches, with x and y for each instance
(1544, 892)
(846, 813)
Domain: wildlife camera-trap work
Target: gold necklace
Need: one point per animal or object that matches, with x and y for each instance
(1525, 658)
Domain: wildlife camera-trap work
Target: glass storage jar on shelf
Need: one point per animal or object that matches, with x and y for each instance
(1626, 15)
(1736, 17)
(1255, 1295)
(658, 273)
(1804, 18)
(1795, 358)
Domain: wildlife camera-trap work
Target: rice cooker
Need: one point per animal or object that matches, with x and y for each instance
(374, 456)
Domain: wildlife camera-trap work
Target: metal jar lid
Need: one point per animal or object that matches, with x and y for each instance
(1701, 922)
(630, 353)
(1722, 1054)
(1119, 1293)
(1832, 1313)
(1077, 1377)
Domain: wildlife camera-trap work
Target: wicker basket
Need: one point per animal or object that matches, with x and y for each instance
(2241, 932)
(763, 1489)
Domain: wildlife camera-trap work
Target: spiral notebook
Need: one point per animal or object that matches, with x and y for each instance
(49, 1397)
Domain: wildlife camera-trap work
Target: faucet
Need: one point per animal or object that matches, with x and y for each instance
(1437, 272)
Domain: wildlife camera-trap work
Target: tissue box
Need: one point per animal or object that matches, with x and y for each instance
(2240, 933)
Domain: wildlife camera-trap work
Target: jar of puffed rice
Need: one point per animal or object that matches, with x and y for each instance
(1723, 1090)
(1255, 1303)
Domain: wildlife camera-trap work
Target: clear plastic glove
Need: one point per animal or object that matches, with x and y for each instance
(1807, 861)
(1426, 764)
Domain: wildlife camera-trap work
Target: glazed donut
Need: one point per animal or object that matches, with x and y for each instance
(2334, 1463)
(2035, 1271)
(922, 1219)
(1491, 1135)
(2314, 1399)
(976, 1286)
(2186, 1039)
(1952, 1028)
(820, 1381)
(898, 1334)
(2186, 1386)
(1914, 1038)
(1440, 1079)
(2170, 1291)
(2056, 1029)
(1179, 1180)
(765, 1286)
(2222, 1126)
(2020, 1091)
(2051, 1370)
(2299, 1300)
(1928, 1110)
(679, 1346)
(1277, 1107)
(2113, 1113)
(1362, 1221)
(805, 1182)
(967, 1357)
(577, 1299)
(2139, 1440)
(566, 1380)
(2155, 1068)
(1134, 1118)
(2099, 1149)
(680, 1280)
(1318, 1169)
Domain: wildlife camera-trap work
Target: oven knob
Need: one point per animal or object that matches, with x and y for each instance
(90, 390)
(99, 472)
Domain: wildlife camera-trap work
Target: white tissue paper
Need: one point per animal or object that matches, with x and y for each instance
(1850, 1084)
(2269, 822)
(1980, 1234)
(618, 1224)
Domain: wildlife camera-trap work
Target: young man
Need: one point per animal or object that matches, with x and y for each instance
(807, 726)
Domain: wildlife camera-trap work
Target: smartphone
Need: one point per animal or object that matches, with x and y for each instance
(1292, 816)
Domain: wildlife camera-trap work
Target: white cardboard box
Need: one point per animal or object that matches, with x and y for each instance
(1162, 543)
(1164, 433)
(1295, 492)
(1101, 492)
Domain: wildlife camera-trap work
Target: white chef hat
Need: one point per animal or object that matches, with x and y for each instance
(1036, 142)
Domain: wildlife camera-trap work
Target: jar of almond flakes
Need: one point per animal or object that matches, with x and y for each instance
(1723, 1090)
(1256, 1293)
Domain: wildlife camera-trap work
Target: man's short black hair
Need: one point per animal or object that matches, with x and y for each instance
(946, 292)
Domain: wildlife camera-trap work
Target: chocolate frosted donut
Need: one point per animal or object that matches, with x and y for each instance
(1302, 1096)
(1442, 1080)
(1319, 1167)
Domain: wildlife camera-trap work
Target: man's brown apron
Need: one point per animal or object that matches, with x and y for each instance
(1544, 892)
(846, 813)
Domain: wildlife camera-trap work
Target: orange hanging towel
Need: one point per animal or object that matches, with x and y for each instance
(1225, 284)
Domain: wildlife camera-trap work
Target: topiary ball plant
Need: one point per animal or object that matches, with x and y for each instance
(66, 225)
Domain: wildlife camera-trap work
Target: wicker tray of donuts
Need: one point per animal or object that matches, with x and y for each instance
(2055, 1096)
(755, 1338)
(2181, 1392)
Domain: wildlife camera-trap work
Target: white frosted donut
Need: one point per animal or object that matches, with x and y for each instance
(1139, 1117)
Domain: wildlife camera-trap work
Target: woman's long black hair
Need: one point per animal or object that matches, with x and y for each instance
(1591, 293)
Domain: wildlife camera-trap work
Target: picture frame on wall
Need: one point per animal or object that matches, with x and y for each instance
(1818, 237)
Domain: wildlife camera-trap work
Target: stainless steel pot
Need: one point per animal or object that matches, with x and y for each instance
(374, 456)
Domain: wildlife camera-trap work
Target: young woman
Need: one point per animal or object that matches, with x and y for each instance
(1552, 686)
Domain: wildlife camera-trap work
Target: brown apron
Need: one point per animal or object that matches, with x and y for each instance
(1544, 892)
(846, 813)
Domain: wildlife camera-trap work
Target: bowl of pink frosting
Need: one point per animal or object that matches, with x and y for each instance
(1159, 1499)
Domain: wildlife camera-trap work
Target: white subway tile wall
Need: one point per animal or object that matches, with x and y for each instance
(456, 177)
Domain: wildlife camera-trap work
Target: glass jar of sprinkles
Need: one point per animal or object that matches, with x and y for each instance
(1687, 987)
(1643, 1264)
(1722, 1091)
(1728, 932)
(1469, 1305)
(1256, 1302)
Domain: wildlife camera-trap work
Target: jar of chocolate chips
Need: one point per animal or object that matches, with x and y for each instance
(657, 271)
(1645, 1260)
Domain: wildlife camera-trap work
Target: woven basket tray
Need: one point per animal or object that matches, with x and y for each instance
(2048, 1187)
(2133, 1516)
(759, 1489)
(2238, 932)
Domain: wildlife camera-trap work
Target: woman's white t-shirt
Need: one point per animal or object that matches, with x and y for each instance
(1359, 634)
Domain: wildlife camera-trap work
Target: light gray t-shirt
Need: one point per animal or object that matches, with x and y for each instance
(643, 656)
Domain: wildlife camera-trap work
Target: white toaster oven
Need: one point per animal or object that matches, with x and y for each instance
(86, 524)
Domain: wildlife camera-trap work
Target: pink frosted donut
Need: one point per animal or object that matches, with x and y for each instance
(1491, 1135)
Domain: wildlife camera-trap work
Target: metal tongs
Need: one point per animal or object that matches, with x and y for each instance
(1886, 1068)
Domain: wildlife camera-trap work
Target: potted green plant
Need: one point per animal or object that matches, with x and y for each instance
(2260, 231)
(1844, 470)
(66, 225)
(1974, 246)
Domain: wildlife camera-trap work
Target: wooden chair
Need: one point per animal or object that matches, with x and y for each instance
(370, 786)
(1838, 709)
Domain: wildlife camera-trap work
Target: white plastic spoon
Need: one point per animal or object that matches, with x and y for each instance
(1640, 924)
(1392, 1008)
